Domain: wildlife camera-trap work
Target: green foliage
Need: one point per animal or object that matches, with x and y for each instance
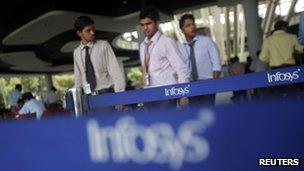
(63, 82)
(34, 84)
(135, 76)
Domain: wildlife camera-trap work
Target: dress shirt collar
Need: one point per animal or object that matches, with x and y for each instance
(90, 45)
(279, 31)
(154, 38)
(194, 40)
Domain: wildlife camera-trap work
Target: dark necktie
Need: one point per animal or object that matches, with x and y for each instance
(194, 73)
(90, 74)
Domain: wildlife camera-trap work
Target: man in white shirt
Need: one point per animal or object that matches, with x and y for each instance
(201, 56)
(51, 98)
(161, 60)
(15, 95)
(95, 65)
(31, 106)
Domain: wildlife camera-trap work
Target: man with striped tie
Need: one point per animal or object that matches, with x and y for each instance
(161, 60)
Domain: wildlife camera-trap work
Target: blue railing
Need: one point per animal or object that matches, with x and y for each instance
(290, 75)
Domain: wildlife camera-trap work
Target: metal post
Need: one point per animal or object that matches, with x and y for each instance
(270, 18)
(78, 101)
(254, 33)
(48, 81)
(290, 11)
(228, 46)
(264, 22)
(235, 41)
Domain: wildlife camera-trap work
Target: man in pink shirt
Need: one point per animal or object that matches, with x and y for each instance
(160, 57)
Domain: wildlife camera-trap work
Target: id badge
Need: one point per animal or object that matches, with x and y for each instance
(147, 81)
(87, 89)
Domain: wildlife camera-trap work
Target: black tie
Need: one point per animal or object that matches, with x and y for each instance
(194, 74)
(90, 74)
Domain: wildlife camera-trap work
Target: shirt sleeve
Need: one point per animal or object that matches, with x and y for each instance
(114, 69)
(141, 53)
(298, 47)
(77, 72)
(214, 54)
(264, 55)
(175, 59)
(25, 109)
(183, 50)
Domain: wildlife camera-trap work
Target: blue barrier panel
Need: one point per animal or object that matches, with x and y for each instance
(276, 77)
(223, 138)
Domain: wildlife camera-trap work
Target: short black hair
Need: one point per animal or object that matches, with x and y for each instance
(18, 86)
(281, 24)
(149, 12)
(27, 96)
(185, 17)
(81, 22)
(20, 101)
(234, 59)
(53, 88)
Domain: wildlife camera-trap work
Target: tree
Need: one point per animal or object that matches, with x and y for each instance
(135, 76)
(63, 82)
(34, 84)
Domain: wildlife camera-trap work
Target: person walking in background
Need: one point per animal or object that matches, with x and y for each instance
(15, 95)
(206, 31)
(235, 69)
(51, 99)
(277, 49)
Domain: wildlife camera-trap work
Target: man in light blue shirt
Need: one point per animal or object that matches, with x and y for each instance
(301, 29)
(201, 55)
(31, 106)
(15, 95)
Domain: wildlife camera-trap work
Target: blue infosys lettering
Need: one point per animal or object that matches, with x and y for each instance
(160, 142)
(287, 76)
(177, 91)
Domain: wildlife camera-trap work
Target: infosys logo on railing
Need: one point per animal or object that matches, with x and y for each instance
(161, 143)
(177, 91)
(280, 77)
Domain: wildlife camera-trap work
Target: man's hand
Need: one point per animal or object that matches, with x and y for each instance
(184, 101)
(119, 108)
(216, 74)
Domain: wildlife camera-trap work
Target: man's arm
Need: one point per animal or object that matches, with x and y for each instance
(298, 47)
(176, 61)
(216, 74)
(179, 66)
(24, 110)
(114, 69)
(77, 72)
(215, 58)
(264, 55)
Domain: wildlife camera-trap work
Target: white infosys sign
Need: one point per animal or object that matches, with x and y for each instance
(286, 76)
(158, 143)
(177, 91)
